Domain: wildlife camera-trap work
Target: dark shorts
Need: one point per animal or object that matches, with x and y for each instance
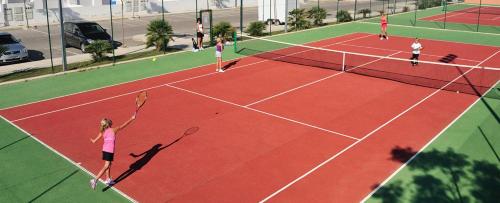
(199, 35)
(107, 156)
(415, 56)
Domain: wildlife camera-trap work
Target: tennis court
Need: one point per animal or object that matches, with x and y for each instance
(287, 122)
(486, 15)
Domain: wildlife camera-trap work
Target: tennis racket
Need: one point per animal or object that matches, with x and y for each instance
(140, 100)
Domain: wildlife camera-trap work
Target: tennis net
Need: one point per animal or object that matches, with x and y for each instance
(443, 73)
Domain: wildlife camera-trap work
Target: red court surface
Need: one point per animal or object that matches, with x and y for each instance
(268, 130)
(489, 16)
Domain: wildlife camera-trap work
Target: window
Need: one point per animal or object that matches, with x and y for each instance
(18, 14)
(8, 14)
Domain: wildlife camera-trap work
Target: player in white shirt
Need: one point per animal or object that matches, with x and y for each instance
(416, 47)
(199, 33)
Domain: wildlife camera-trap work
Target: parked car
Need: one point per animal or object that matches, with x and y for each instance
(14, 50)
(79, 34)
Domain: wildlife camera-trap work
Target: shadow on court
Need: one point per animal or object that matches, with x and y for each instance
(147, 156)
(441, 176)
(229, 65)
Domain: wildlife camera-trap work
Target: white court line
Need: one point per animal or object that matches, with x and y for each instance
(472, 60)
(68, 159)
(154, 76)
(317, 81)
(446, 16)
(371, 133)
(263, 112)
(425, 146)
(366, 136)
(439, 29)
(171, 83)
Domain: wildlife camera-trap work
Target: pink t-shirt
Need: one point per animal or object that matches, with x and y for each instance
(109, 141)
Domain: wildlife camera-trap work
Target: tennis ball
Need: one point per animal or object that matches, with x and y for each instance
(154, 59)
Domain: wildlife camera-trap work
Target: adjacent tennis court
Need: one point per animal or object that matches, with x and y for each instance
(485, 15)
(285, 122)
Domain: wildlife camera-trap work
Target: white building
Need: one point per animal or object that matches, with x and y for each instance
(33, 12)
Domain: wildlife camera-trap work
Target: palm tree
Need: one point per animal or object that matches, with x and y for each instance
(159, 33)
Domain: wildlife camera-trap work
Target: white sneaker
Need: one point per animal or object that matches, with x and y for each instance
(110, 182)
(387, 37)
(93, 183)
(381, 38)
(221, 71)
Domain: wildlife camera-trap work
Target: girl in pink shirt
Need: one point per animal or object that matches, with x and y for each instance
(108, 133)
(383, 27)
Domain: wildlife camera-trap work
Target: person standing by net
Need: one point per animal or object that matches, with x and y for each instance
(416, 47)
(383, 27)
(199, 33)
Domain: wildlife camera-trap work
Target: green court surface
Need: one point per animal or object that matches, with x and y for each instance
(30, 171)
(461, 165)
(408, 19)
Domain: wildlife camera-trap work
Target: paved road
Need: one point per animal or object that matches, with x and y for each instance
(36, 39)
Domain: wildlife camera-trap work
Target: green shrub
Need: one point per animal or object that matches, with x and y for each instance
(98, 49)
(365, 11)
(317, 15)
(344, 16)
(406, 9)
(256, 28)
(297, 19)
(159, 33)
(224, 30)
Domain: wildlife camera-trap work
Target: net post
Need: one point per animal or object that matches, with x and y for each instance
(343, 61)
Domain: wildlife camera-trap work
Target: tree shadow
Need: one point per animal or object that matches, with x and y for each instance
(441, 176)
(147, 156)
(401, 154)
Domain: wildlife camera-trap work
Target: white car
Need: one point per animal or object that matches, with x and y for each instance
(15, 50)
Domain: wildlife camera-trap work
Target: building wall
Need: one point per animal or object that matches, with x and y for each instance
(99, 9)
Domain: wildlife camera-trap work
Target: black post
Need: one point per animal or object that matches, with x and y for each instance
(355, 8)
(370, 8)
(50, 39)
(26, 15)
(394, 7)
(479, 15)
(416, 8)
(63, 39)
(269, 20)
(241, 17)
(112, 32)
(196, 9)
(445, 11)
(163, 19)
(336, 14)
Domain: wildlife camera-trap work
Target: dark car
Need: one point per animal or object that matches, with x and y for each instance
(81, 33)
(13, 49)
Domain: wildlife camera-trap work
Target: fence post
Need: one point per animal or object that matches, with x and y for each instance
(50, 39)
(63, 39)
(416, 8)
(355, 8)
(336, 14)
(479, 15)
(235, 46)
(112, 32)
(241, 17)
